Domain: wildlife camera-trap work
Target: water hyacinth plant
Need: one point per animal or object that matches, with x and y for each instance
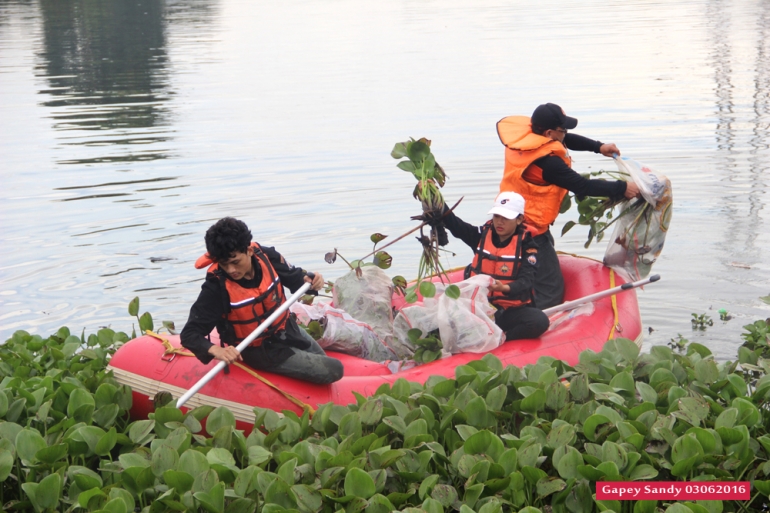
(493, 439)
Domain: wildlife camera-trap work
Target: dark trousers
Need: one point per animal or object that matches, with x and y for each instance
(522, 322)
(310, 365)
(549, 282)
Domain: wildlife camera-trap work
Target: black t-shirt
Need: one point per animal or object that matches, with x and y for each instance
(556, 172)
(208, 310)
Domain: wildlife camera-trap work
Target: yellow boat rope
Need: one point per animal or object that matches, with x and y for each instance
(616, 324)
(169, 349)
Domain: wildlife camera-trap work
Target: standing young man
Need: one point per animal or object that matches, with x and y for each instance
(244, 285)
(538, 166)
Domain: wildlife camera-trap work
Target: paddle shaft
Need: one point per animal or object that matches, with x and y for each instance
(243, 345)
(569, 305)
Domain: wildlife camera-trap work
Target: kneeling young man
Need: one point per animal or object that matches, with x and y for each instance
(505, 250)
(244, 285)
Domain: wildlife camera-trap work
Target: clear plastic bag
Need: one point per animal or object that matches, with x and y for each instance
(367, 299)
(343, 333)
(465, 324)
(419, 316)
(640, 232)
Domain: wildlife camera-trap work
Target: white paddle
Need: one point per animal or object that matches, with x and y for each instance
(243, 345)
(569, 305)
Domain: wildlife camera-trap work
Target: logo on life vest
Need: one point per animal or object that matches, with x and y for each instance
(504, 269)
(532, 259)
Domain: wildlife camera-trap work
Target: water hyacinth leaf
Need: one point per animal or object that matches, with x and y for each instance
(534, 402)
(383, 260)
(78, 398)
(445, 388)
(218, 419)
(163, 459)
(193, 462)
(6, 463)
(84, 477)
(645, 506)
(548, 485)
(258, 455)
(140, 431)
(28, 443)
(748, 414)
(309, 500)
(568, 464)
(427, 289)
(371, 412)
(661, 376)
(579, 387)
(452, 291)
(106, 442)
(145, 322)
(706, 371)
(623, 381)
(528, 455)
(133, 307)
(178, 480)
(445, 494)
(49, 454)
(685, 447)
(212, 501)
(117, 505)
(644, 471)
(279, 492)
(591, 425)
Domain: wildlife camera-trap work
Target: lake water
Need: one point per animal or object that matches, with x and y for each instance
(130, 126)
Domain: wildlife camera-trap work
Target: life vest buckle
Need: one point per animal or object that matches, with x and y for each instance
(168, 357)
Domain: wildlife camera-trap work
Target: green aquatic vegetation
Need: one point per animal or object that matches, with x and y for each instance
(701, 321)
(494, 438)
(380, 259)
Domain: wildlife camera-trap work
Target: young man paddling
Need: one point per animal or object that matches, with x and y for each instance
(505, 250)
(244, 285)
(537, 166)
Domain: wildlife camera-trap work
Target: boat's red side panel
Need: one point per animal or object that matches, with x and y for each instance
(140, 362)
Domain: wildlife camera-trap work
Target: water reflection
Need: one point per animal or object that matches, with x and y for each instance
(106, 65)
(746, 179)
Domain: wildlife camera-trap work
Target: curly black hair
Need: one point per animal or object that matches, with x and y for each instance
(227, 236)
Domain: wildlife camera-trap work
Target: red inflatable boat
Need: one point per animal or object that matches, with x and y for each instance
(144, 365)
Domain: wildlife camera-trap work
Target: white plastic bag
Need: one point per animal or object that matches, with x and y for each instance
(640, 232)
(367, 299)
(343, 333)
(465, 324)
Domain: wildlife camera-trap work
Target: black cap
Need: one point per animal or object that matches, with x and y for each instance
(550, 116)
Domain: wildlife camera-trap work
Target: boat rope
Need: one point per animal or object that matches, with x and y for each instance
(616, 324)
(170, 349)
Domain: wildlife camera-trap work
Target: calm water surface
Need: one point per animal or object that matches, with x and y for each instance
(128, 127)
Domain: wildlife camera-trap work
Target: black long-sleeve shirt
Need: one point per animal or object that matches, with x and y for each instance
(556, 172)
(471, 235)
(208, 312)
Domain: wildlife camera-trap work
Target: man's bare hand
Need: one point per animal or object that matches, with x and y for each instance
(609, 150)
(227, 354)
(317, 282)
(632, 190)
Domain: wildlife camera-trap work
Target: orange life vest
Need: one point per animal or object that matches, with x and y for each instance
(502, 264)
(246, 308)
(522, 148)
